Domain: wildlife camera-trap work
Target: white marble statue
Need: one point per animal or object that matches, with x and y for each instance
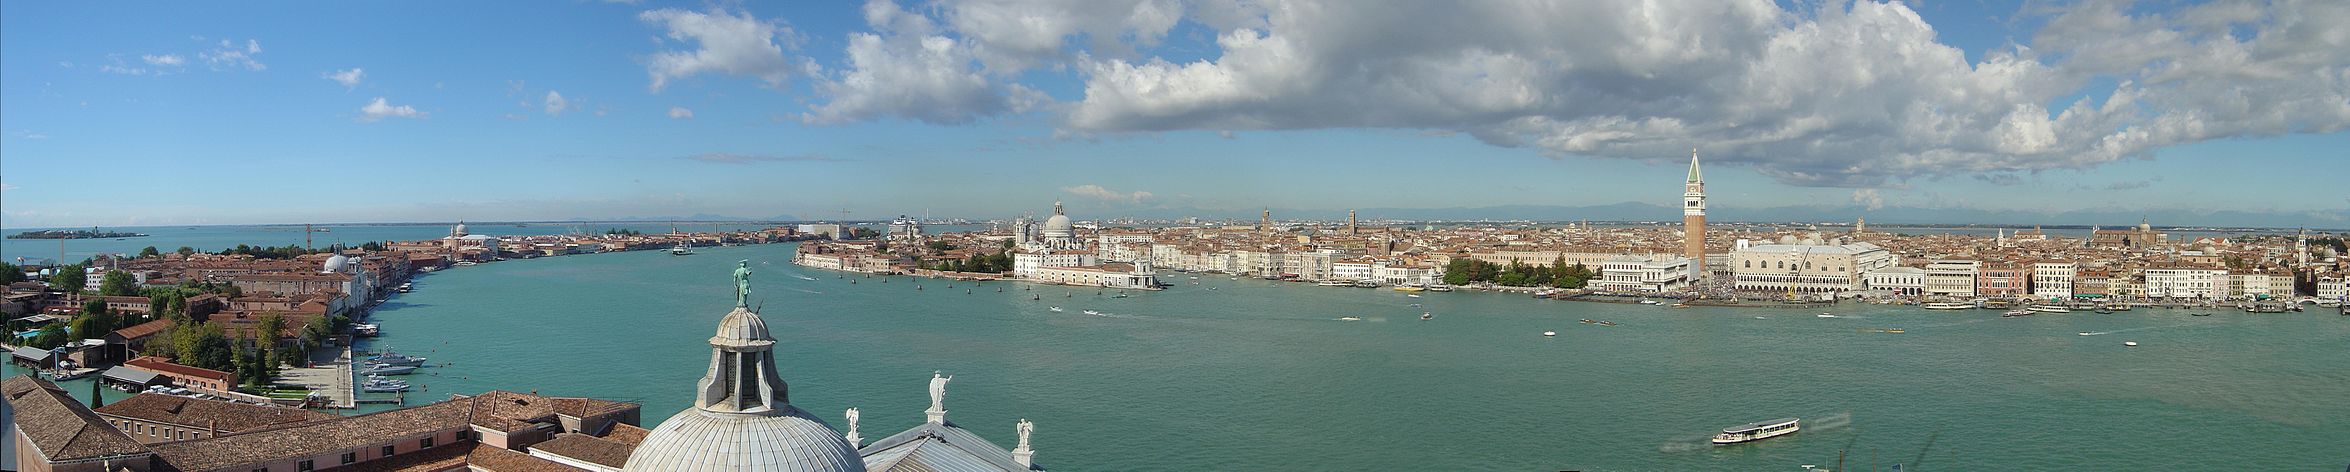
(852, 436)
(1025, 428)
(938, 391)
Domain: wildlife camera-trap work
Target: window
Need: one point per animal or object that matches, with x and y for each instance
(424, 443)
(387, 451)
(303, 466)
(263, 469)
(350, 457)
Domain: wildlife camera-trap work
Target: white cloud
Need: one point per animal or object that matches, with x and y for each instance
(1868, 197)
(228, 55)
(681, 113)
(169, 60)
(1858, 95)
(1099, 192)
(728, 43)
(381, 108)
(905, 71)
(4, 186)
(555, 104)
(349, 78)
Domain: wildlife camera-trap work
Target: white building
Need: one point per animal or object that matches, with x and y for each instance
(2333, 287)
(827, 229)
(1811, 268)
(1352, 270)
(2053, 279)
(1310, 265)
(1952, 277)
(1138, 276)
(1643, 274)
(905, 229)
(1025, 264)
(2186, 283)
(1910, 281)
(1398, 273)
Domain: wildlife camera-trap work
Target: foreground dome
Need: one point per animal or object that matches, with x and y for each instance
(696, 439)
(742, 417)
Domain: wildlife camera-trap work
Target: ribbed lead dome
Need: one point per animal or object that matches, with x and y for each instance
(742, 417)
(702, 440)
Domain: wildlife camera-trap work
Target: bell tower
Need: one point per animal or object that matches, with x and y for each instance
(1693, 219)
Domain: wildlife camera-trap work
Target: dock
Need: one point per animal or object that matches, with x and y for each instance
(332, 379)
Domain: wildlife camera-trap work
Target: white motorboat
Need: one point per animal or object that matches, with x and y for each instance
(1413, 295)
(1092, 312)
(1949, 306)
(2016, 313)
(1549, 333)
(681, 249)
(1645, 301)
(1336, 283)
(1425, 316)
(2130, 343)
(395, 359)
(387, 369)
(2051, 309)
(1826, 315)
(1349, 318)
(1055, 309)
(1757, 431)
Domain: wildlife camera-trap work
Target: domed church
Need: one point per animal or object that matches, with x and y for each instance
(742, 419)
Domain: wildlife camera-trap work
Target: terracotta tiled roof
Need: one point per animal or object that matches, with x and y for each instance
(439, 459)
(195, 412)
(627, 433)
(500, 460)
(61, 427)
(143, 330)
(165, 365)
(587, 448)
(313, 439)
(509, 412)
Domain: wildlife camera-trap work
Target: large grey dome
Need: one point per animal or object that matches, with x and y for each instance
(335, 263)
(1058, 225)
(742, 417)
(695, 439)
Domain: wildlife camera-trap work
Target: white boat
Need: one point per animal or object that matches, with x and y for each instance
(1349, 318)
(1425, 316)
(1056, 309)
(1549, 333)
(1949, 306)
(1091, 312)
(2051, 309)
(467, 263)
(2086, 333)
(2130, 343)
(681, 249)
(1439, 288)
(1826, 315)
(1757, 431)
(2016, 313)
(1645, 301)
(395, 359)
(386, 369)
(1413, 295)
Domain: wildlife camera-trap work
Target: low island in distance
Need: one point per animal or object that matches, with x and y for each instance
(73, 234)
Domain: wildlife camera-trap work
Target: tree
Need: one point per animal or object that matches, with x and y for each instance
(96, 400)
(50, 337)
(149, 252)
(69, 278)
(267, 332)
(10, 273)
(184, 251)
(118, 284)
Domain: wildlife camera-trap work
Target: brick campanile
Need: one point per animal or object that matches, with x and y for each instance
(1693, 219)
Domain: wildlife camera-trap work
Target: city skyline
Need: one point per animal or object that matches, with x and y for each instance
(285, 114)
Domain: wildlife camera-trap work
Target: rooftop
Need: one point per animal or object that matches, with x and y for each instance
(60, 427)
(215, 414)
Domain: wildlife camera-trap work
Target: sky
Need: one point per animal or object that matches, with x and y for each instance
(170, 113)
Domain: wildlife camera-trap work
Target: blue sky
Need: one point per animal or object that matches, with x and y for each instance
(170, 113)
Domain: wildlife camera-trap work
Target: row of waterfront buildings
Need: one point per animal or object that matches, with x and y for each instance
(2137, 262)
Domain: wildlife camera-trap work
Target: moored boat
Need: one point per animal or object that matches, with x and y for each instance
(1757, 431)
(387, 369)
(394, 358)
(1949, 306)
(2016, 313)
(2051, 309)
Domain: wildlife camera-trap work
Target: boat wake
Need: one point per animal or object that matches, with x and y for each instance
(2143, 328)
(807, 278)
(806, 291)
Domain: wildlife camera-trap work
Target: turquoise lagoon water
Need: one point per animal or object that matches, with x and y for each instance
(1254, 375)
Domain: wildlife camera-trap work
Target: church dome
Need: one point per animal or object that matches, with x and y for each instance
(1058, 225)
(742, 417)
(696, 439)
(335, 263)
